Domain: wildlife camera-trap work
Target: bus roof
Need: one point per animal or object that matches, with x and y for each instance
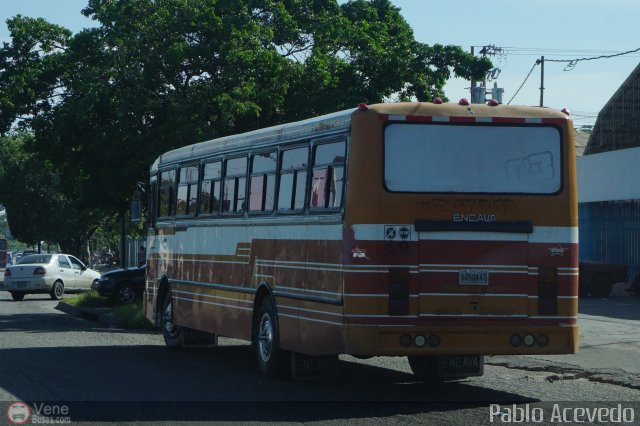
(457, 110)
(289, 132)
(340, 122)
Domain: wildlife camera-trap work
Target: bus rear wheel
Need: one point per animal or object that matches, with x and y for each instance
(17, 296)
(424, 367)
(272, 361)
(173, 335)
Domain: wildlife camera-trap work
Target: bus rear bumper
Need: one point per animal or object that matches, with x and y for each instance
(486, 340)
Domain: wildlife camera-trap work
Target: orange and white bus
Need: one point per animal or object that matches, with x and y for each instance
(440, 232)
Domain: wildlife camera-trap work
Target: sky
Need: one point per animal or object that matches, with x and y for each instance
(524, 30)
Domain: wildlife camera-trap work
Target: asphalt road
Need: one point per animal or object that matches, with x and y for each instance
(105, 375)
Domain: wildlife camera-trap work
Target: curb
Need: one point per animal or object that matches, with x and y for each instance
(99, 315)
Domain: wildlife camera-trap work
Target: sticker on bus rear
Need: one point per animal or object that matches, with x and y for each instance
(397, 232)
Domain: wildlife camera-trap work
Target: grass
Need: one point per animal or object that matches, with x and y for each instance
(131, 317)
(90, 299)
(126, 316)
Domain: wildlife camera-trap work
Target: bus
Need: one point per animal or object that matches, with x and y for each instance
(442, 232)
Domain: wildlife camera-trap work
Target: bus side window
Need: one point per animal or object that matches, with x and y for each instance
(293, 179)
(210, 189)
(187, 196)
(235, 182)
(166, 200)
(328, 176)
(262, 186)
(153, 188)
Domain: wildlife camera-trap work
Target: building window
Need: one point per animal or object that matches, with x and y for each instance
(210, 189)
(293, 179)
(262, 185)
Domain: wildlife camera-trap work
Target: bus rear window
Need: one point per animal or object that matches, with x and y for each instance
(472, 159)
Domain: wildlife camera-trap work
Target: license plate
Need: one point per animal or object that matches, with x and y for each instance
(473, 277)
(21, 284)
(460, 365)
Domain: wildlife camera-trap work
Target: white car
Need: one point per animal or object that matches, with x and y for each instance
(48, 273)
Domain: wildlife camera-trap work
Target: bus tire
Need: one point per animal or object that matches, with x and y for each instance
(173, 334)
(272, 361)
(17, 296)
(424, 367)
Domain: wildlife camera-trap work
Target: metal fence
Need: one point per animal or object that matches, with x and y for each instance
(610, 232)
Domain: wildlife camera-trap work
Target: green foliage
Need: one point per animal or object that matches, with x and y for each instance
(154, 75)
(89, 299)
(131, 317)
(37, 206)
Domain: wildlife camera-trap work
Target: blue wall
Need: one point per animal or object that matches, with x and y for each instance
(610, 232)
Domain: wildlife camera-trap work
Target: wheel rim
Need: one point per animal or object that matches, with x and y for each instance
(127, 295)
(169, 328)
(94, 285)
(265, 337)
(58, 290)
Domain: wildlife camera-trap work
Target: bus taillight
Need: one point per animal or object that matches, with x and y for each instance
(547, 291)
(398, 291)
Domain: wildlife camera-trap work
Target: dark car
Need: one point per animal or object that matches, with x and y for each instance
(122, 285)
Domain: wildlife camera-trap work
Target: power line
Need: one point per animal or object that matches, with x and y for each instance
(572, 63)
(525, 80)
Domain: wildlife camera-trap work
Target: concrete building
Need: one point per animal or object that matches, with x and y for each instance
(609, 182)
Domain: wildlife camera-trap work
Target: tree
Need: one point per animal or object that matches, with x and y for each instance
(37, 209)
(158, 74)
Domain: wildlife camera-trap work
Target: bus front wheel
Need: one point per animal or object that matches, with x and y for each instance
(271, 360)
(172, 334)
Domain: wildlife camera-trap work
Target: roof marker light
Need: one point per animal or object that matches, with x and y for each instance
(437, 100)
(566, 111)
(493, 102)
(463, 101)
(362, 106)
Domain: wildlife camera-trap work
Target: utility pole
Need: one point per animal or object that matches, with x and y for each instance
(479, 89)
(473, 82)
(541, 61)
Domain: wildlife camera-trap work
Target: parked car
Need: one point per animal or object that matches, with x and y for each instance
(48, 273)
(598, 278)
(635, 286)
(122, 285)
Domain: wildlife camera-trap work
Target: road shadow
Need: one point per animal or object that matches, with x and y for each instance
(620, 308)
(152, 383)
(56, 323)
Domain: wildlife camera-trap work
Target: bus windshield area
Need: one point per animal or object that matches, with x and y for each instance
(472, 159)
